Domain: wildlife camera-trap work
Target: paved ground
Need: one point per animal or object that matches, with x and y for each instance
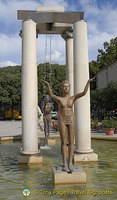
(10, 128)
(14, 128)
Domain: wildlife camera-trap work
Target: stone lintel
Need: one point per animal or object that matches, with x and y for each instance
(53, 28)
(78, 176)
(23, 14)
(50, 17)
(51, 22)
(86, 158)
(33, 159)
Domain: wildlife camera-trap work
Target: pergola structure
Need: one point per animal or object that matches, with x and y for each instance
(72, 27)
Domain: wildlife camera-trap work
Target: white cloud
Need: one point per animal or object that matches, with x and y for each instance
(57, 49)
(102, 25)
(96, 42)
(10, 48)
(58, 57)
(90, 7)
(8, 9)
(10, 40)
(54, 3)
(7, 63)
(101, 20)
(9, 44)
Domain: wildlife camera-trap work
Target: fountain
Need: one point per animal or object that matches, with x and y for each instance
(101, 177)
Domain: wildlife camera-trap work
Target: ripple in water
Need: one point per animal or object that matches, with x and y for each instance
(46, 147)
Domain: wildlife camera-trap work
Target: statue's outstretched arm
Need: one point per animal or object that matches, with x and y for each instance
(77, 96)
(50, 91)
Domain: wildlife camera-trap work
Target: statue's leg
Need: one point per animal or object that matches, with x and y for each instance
(71, 133)
(45, 126)
(63, 131)
(49, 125)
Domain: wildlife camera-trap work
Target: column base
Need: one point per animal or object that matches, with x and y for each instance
(83, 151)
(30, 159)
(78, 176)
(47, 141)
(86, 157)
(29, 153)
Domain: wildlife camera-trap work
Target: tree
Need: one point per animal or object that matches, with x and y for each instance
(57, 76)
(109, 96)
(93, 69)
(109, 54)
(104, 58)
(104, 99)
(10, 87)
(10, 84)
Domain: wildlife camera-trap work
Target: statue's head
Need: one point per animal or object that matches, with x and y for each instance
(46, 98)
(65, 86)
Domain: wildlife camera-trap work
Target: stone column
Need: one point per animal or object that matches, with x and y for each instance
(29, 91)
(68, 37)
(82, 105)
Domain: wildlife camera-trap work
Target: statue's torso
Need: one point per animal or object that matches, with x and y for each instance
(66, 110)
(47, 108)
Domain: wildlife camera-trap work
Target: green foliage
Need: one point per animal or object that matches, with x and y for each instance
(10, 84)
(10, 87)
(57, 76)
(105, 98)
(109, 54)
(109, 96)
(10, 81)
(109, 123)
(104, 58)
(94, 123)
(93, 69)
(96, 99)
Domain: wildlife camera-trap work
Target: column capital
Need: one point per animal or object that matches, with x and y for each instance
(20, 33)
(67, 34)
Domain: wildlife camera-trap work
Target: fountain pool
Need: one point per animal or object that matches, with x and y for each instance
(101, 177)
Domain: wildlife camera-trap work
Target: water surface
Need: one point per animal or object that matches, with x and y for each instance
(101, 177)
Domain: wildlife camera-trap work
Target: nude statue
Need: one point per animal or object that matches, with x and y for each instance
(46, 108)
(67, 119)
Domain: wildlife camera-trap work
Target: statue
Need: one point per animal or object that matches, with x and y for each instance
(67, 119)
(46, 108)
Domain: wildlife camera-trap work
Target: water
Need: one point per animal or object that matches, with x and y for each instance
(101, 177)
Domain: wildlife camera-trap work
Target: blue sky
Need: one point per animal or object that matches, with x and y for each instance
(101, 17)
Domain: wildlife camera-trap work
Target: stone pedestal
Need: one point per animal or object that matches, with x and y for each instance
(88, 157)
(49, 141)
(30, 159)
(78, 176)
